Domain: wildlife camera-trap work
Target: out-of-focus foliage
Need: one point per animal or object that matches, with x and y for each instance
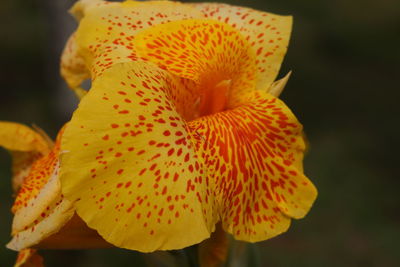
(344, 88)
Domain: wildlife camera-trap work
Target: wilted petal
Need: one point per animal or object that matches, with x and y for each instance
(250, 152)
(267, 33)
(133, 172)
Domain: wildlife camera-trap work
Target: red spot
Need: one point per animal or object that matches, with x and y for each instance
(120, 171)
(106, 137)
(167, 133)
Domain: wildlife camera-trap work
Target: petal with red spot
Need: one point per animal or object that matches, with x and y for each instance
(249, 152)
(129, 164)
(267, 33)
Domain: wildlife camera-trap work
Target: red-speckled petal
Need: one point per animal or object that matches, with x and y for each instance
(106, 33)
(29, 258)
(250, 153)
(129, 165)
(59, 213)
(267, 33)
(25, 146)
(206, 51)
(39, 174)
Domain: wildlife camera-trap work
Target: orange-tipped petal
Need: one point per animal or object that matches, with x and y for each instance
(29, 258)
(250, 153)
(206, 51)
(106, 32)
(129, 165)
(267, 33)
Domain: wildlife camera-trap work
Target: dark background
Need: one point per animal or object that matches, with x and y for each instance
(345, 88)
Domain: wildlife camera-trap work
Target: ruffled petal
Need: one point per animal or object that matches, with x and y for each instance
(267, 33)
(250, 152)
(106, 32)
(206, 51)
(73, 67)
(29, 258)
(129, 166)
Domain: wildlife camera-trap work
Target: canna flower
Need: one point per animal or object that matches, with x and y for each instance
(181, 129)
(42, 216)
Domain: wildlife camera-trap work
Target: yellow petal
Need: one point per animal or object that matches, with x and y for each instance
(30, 208)
(39, 174)
(25, 145)
(250, 152)
(267, 33)
(18, 137)
(129, 165)
(206, 51)
(52, 223)
(73, 67)
(106, 33)
(21, 166)
(29, 258)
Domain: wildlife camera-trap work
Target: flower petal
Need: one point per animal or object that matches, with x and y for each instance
(106, 33)
(250, 153)
(18, 137)
(129, 165)
(206, 51)
(40, 230)
(29, 258)
(25, 146)
(40, 173)
(267, 33)
(73, 67)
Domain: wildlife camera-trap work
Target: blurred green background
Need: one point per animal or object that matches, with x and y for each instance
(345, 87)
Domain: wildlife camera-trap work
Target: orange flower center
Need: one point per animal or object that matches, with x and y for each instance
(215, 98)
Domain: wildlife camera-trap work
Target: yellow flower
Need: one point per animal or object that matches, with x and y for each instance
(181, 128)
(42, 216)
